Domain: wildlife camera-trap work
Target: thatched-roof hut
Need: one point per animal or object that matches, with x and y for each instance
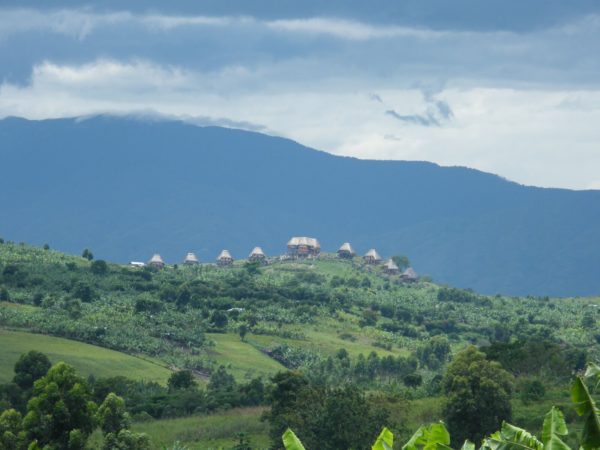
(346, 251)
(410, 275)
(224, 258)
(191, 259)
(372, 257)
(390, 267)
(257, 255)
(156, 261)
(303, 247)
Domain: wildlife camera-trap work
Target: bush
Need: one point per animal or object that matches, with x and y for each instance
(99, 267)
(531, 390)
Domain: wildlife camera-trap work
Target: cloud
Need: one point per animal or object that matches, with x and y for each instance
(375, 98)
(351, 30)
(490, 128)
(426, 120)
(522, 104)
(81, 22)
(443, 109)
(74, 23)
(437, 111)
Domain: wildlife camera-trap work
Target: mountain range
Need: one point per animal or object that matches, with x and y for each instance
(128, 187)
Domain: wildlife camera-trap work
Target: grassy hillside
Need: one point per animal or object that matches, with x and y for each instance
(87, 359)
(241, 358)
(216, 431)
(307, 310)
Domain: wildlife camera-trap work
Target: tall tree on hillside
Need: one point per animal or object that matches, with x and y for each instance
(60, 413)
(478, 394)
(30, 367)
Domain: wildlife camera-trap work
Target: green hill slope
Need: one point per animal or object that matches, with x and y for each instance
(297, 314)
(87, 359)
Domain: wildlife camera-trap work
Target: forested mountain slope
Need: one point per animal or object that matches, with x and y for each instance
(127, 188)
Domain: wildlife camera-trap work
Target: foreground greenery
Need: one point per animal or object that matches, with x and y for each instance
(510, 437)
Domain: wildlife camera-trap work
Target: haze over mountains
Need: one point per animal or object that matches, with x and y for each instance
(126, 188)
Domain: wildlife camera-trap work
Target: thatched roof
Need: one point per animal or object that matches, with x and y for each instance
(257, 252)
(191, 258)
(410, 274)
(309, 242)
(390, 265)
(156, 259)
(373, 254)
(225, 255)
(346, 248)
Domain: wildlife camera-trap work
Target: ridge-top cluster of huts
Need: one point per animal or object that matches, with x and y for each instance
(297, 248)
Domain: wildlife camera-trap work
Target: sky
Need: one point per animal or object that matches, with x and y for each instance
(508, 87)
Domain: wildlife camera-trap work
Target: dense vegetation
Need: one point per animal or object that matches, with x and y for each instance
(361, 348)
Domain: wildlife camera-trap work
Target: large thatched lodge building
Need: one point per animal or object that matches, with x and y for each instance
(303, 247)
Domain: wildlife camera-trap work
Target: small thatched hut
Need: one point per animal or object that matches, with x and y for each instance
(390, 267)
(257, 255)
(410, 275)
(156, 261)
(190, 259)
(224, 258)
(303, 247)
(346, 251)
(372, 257)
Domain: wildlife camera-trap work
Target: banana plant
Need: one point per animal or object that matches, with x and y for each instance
(291, 441)
(385, 441)
(432, 437)
(586, 406)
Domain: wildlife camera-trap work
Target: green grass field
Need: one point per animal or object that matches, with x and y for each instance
(87, 359)
(208, 432)
(242, 359)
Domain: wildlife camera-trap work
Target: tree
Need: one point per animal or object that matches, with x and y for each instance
(182, 379)
(30, 367)
(478, 394)
(87, 254)
(242, 331)
(401, 261)
(126, 440)
(99, 267)
(83, 292)
(324, 418)
(219, 319)
(61, 412)
(12, 436)
(434, 352)
(112, 416)
(412, 380)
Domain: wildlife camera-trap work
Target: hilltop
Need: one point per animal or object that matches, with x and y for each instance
(127, 188)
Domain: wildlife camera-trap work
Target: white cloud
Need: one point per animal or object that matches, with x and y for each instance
(75, 23)
(353, 30)
(540, 137)
(79, 23)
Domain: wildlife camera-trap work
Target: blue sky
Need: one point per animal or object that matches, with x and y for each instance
(508, 87)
